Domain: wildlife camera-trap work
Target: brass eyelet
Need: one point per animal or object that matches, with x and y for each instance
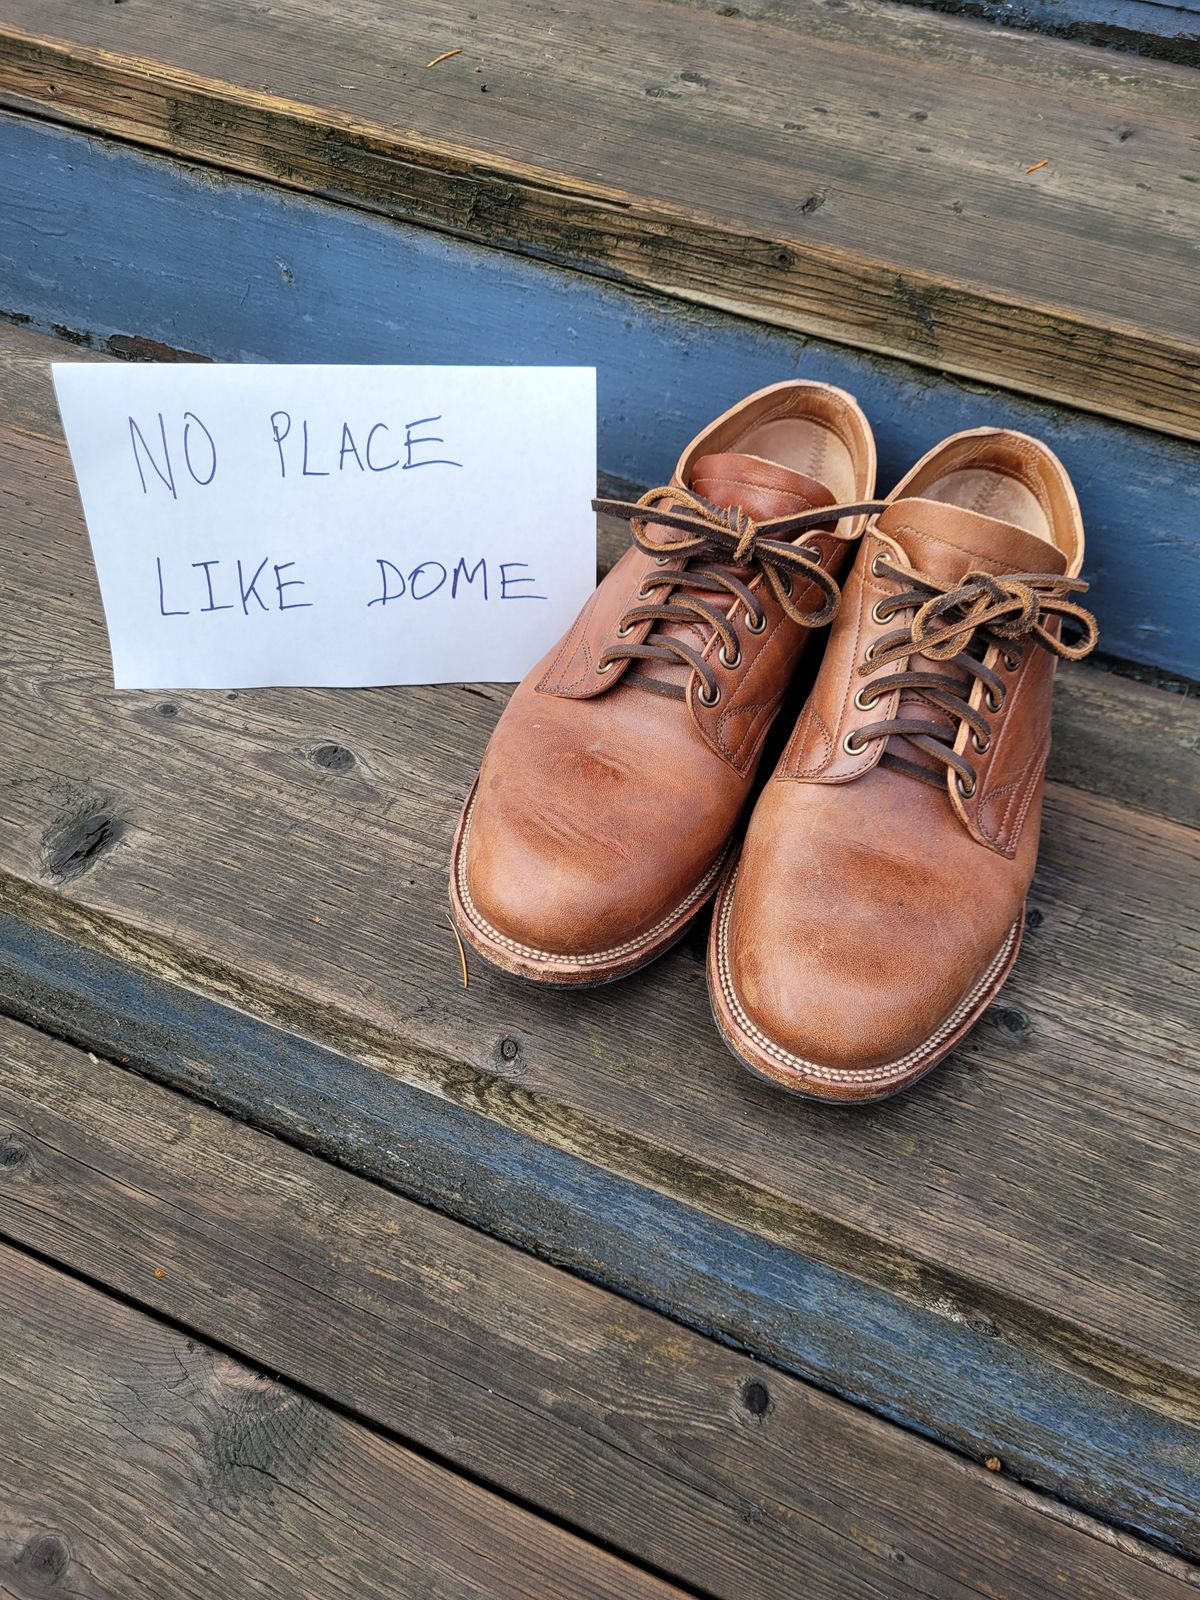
(662, 561)
(877, 611)
(625, 630)
(752, 625)
(851, 745)
(730, 661)
(813, 552)
(1011, 661)
(703, 697)
(786, 580)
(875, 560)
(861, 702)
(604, 666)
(980, 745)
(961, 785)
(869, 653)
(643, 592)
(993, 702)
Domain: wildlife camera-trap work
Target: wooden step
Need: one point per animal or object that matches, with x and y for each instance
(1020, 211)
(1003, 1259)
(140, 1463)
(735, 1479)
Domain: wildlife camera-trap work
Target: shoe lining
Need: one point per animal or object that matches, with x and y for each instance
(993, 494)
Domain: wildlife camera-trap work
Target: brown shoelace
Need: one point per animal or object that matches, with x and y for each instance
(958, 625)
(724, 535)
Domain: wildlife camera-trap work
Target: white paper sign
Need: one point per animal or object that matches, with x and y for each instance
(333, 525)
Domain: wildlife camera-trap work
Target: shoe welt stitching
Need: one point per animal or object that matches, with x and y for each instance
(629, 948)
(894, 1069)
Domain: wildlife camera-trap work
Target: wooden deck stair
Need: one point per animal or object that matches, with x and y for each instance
(759, 166)
(1004, 1260)
(611, 1316)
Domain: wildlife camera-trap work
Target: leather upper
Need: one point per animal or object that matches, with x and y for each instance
(875, 898)
(607, 797)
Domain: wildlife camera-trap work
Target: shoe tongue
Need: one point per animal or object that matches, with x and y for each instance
(764, 490)
(948, 541)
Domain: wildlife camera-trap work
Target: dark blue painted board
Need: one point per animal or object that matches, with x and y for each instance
(1170, 31)
(104, 240)
(951, 1377)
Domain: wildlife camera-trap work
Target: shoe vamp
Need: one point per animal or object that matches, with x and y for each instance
(865, 913)
(594, 820)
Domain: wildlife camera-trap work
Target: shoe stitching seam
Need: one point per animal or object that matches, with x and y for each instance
(517, 948)
(893, 1069)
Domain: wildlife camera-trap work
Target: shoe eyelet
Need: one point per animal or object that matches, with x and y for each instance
(960, 783)
(994, 702)
(980, 746)
(875, 560)
(752, 625)
(813, 552)
(1011, 661)
(735, 660)
(625, 630)
(869, 654)
(662, 561)
(643, 592)
(786, 580)
(861, 702)
(851, 745)
(878, 613)
(603, 667)
(703, 697)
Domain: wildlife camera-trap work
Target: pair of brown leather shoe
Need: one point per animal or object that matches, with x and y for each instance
(876, 902)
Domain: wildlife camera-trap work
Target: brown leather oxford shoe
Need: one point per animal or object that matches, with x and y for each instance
(878, 902)
(610, 789)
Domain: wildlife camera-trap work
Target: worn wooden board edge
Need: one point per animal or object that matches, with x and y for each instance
(930, 1353)
(1117, 370)
(136, 1451)
(238, 271)
(652, 1439)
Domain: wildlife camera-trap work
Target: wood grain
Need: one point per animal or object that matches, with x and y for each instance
(1112, 736)
(734, 1478)
(857, 173)
(140, 1463)
(317, 895)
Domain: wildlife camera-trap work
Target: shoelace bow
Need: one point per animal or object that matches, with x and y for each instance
(728, 535)
(949, 624)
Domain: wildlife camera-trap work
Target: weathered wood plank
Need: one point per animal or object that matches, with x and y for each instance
(196, 837)
(871, 187)
(1113, 736)
(732, 1477)
(242, 271)
(930, 1357)
(140, 1463)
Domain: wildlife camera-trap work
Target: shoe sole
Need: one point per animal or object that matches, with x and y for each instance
(809, 1080)
(551, 969)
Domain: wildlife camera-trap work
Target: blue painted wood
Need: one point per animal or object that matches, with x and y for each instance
(1170, 32)
(956, 1380)
(105, 241)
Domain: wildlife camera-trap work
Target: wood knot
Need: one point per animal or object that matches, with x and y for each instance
(754, 1398)
(44, 1562)
(332, 758)
(13, 1156)
(76, 842)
